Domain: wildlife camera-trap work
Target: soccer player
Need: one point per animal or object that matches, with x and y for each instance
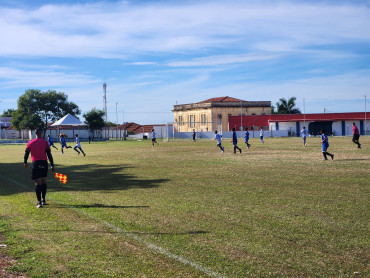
(194, 135)
(51, 143)
(261, 135)
(40, 152)
(63, 143)
(218, 137)
(304, 133)
(78, 145)
(246, 137)
(235, 141)
(154, 138)
(356, 136)
(325, 145)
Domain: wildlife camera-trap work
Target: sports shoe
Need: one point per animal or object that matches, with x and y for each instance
(332, 157)
(240, 150)
(43, 202)
(39, 205)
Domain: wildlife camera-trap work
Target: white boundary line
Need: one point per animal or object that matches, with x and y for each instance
(148, 244)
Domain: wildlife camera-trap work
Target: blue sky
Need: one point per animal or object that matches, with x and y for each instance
(153, 54)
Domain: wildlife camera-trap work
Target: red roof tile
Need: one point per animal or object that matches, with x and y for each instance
(222, 99)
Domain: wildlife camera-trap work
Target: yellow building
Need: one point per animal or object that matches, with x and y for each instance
(213, 114)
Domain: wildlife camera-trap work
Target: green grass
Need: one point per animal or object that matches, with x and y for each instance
(277, 209)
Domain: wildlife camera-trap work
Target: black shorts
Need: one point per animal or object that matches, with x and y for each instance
(39, 169)
(356, 137)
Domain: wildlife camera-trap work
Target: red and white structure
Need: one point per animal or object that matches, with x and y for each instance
(337, 124)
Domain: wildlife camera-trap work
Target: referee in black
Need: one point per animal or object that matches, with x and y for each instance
(40, 152)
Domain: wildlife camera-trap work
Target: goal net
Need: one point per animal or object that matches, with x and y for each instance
(185, 130)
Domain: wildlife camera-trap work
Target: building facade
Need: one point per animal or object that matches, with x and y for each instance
(214, 114)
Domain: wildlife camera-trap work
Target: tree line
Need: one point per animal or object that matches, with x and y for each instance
(35, 109)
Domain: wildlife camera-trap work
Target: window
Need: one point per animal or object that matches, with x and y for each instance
(219, 119)
(181, 121)
(192, 120)
(203, 119)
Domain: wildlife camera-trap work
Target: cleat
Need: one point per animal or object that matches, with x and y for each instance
(240, 150)
(43, 202)
(332, 157)
(39, 205)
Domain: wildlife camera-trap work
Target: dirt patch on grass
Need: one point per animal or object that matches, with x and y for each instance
(5, 262)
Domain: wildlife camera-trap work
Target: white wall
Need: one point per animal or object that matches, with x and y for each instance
(336, 127)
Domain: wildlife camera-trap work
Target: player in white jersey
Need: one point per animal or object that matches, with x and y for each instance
(154, 138)
(261, 135)
(304, 133)
(78, 145)
(218, 137)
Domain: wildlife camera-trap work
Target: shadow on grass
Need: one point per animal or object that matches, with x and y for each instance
(116, 232)
(96, 206)
(87, 177)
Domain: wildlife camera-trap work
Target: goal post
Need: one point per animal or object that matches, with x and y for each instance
(203, 130)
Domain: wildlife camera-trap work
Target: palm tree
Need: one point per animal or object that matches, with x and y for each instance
(287, 107)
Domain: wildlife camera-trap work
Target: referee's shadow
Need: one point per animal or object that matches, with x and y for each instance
(87, 177)
(95, 177)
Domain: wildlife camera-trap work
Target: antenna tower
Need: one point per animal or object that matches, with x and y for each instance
(105, 101)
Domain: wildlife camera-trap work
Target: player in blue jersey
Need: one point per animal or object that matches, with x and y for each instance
(235, 141)
(261, 135)
(218, 137)
(246, 137)
(325, 145)
(304, 133)
(51, 143)
(63, 143)
(154, 138)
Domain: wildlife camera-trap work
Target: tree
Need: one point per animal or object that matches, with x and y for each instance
(94, 119)
(8, 113)
(110, 124)
(36, 109)
(287, 107)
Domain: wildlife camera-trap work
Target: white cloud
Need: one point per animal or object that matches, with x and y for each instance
(115, 29)
(15, 78)
(221, 60)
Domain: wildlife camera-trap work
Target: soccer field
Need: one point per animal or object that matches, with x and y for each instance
(184, 209)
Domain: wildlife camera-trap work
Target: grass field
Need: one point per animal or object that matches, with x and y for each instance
(184, 209)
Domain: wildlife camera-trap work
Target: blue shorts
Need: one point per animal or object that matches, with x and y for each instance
(153, 139)
(325, 147)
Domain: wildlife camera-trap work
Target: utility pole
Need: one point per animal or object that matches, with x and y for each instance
(116, 113)
(365, 116)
